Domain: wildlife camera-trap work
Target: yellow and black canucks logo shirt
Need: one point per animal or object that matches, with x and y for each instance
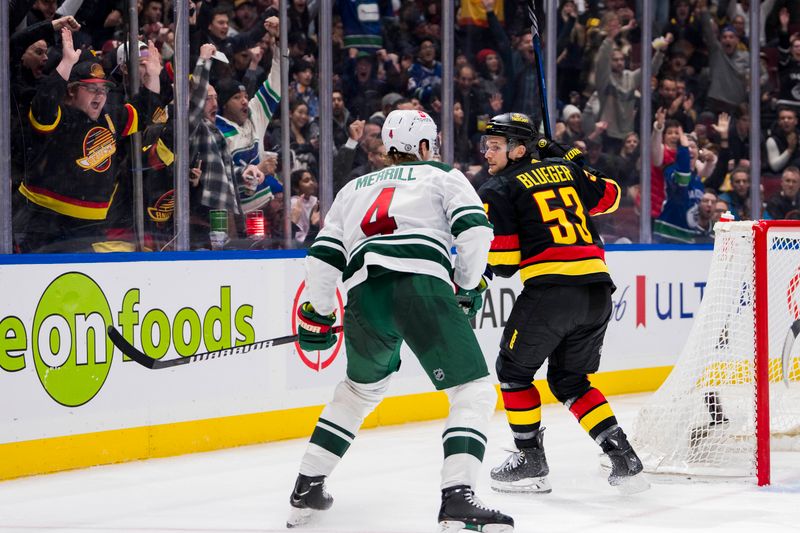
(73, 168)
(541, 212)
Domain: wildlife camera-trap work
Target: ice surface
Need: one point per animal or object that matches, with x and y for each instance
(389, 483)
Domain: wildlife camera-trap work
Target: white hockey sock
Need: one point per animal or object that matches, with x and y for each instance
(464, 436)
(338, 424)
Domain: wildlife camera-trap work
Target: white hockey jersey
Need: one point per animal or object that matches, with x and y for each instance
(404, 218)
(245, 142)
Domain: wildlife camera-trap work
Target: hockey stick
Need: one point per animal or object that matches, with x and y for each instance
(791, 336)
(537, 50)
(154, 364)
(713, 403)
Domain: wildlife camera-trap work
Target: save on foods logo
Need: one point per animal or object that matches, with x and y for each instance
(71, 352)
(319, 360)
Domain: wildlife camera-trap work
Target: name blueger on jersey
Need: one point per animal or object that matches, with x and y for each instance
(544, 176)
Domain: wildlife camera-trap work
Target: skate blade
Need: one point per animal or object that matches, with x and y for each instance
(454, 526)
(299, 517)
(532, 485)
(630, 484)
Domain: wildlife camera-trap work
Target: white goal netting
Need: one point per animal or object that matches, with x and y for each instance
(702, 421)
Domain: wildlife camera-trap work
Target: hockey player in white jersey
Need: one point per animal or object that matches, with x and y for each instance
(388, 235)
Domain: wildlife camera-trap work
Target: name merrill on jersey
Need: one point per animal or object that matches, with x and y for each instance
(391, 173)
(544, 176)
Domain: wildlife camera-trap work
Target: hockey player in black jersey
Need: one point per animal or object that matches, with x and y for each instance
(541, 211)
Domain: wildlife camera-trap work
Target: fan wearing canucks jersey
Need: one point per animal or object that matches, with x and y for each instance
(244, 122)
(388, 236)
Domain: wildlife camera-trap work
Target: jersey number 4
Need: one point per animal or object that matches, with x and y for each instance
(554, 210)
(376, 219)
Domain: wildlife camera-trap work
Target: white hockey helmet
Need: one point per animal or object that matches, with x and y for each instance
(404, 129)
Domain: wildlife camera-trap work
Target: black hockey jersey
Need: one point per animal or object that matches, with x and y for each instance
(541, 212)
(74, 164)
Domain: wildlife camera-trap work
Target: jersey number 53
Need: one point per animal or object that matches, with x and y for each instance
(556, 207)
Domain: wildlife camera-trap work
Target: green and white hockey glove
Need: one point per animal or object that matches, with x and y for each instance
(550, 148)
(471, 300)
(314, 331)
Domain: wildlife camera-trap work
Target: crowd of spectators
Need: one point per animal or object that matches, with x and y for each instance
(72, 108)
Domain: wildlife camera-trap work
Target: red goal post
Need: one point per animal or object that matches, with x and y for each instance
(761, 248)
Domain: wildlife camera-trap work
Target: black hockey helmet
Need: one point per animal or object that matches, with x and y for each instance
(516, 127)
(511, 126)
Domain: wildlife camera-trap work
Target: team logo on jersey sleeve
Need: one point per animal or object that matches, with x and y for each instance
(98, 147)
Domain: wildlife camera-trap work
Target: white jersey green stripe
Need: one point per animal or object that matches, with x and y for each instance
(330, 251)
(405, 218)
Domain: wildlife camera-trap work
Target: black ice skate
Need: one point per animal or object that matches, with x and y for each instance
(626, 467)
(309, 495)
(524, 471)
(461, 510)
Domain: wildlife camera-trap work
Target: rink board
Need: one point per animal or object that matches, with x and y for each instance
(70, 400)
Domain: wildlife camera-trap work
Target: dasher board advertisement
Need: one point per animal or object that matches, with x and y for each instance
(61, 376)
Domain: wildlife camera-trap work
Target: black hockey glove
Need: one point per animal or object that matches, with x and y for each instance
(471, 300)
(550, 148)
(314, 331)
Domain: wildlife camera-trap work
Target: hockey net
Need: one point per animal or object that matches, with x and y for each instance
(734, 392)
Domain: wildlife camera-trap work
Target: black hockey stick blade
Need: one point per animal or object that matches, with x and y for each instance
(791, 336)
(154, 364)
